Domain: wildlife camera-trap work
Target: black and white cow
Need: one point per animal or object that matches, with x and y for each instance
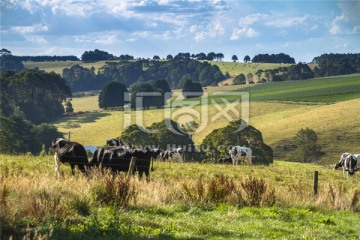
(174, 154)
(241, 153)
(113, 142)
(348, 162)
(226, 160)
(69, 153)
(118, 159)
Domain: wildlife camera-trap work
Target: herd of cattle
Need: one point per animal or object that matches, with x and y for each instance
(116, 156)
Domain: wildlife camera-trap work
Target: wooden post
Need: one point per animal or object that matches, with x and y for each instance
(316, 181)
(131, 166)
(69, 136)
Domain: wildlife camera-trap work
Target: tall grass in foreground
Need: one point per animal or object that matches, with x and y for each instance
(31, 195)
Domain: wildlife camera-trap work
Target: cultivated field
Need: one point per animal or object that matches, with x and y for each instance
(181, 201)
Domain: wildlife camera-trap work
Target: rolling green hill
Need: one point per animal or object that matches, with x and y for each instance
(232, 68)
(278, 110)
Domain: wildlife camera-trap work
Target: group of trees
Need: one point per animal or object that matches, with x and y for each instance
(29, 99)
(336, 64)
(129, 72)
(298, 71)
(272, 58)
(99, 55)
(8, 62)
(143, 94)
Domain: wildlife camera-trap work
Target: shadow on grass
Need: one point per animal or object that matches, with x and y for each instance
(75, 121)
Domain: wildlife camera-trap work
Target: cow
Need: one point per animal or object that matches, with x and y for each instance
(241, 153)
(341, 161)
(226, 160)
(69, 153)
(113, 142)
(175, 153)
(118, 159)
(348, 162)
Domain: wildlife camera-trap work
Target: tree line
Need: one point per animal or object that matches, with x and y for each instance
(29, 100)
(336, 64)
(272, 58)
(176, 72)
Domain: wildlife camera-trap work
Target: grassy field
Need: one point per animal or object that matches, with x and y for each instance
(232, 68)
(236, 68)
(335, 123)
(181, 201)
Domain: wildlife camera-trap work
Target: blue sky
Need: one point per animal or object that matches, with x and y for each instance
(302, 29)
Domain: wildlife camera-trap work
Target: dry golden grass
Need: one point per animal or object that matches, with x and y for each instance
(34, 188)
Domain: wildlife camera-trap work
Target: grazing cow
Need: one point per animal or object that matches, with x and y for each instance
(69, 153)
(118, 159)
(241, 153)
(348, 162)
(342, 160)
(227, 160)
(112, 142)
(176, 153)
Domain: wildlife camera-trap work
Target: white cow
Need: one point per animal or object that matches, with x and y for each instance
(175, 154)
(348, 162)
(241, 153)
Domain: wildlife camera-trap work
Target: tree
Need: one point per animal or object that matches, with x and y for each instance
(307, 146)
(250, 77)
(169, 57)
(96, 55)
(234, 58)
(192, 89)
(246, 59)
(114, 94)
(68, 106)
(219, 57)
(144, 96)
(156, 57)
(8, 62)
(219, 140)
(239, 79)
(258, 74)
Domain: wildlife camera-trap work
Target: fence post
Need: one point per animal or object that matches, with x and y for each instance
(131, 166)
(316, 183)
(69, 136)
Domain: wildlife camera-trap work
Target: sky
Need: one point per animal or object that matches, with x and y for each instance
(302, 29)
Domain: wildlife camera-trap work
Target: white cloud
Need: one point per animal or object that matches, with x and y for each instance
(286, 22)
(252, 18)
(29, 29)
(212, 30)
(274, 20)
(243, 31)
(105, 38)
(36, 39)
(335, 25)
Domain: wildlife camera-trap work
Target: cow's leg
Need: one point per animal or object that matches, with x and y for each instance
(57, 164)
(72, 169)
(249, 160)
(82, 168)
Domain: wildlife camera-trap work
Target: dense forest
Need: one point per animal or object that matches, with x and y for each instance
(337, 64)
(29, 100)
(130, 72)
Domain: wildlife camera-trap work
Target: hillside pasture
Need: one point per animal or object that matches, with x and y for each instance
(35, 202)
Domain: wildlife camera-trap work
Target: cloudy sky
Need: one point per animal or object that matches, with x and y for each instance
(302, 29)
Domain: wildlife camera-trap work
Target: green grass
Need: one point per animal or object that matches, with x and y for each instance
(236, 68)
(162, 211)
(232, 68)
(320, 90)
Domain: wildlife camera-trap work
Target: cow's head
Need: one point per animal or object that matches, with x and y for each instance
(58, 143)
(113, 142)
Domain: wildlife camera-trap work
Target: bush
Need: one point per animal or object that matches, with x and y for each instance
(120, 190)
